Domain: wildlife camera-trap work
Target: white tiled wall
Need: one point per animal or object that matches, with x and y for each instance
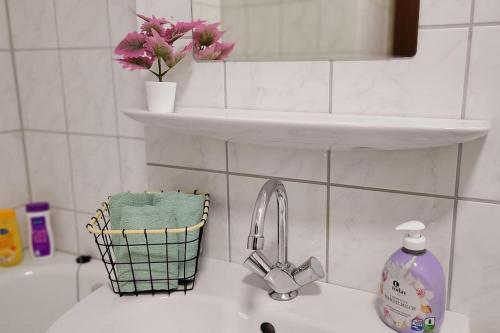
(343, 205)
(70, 146)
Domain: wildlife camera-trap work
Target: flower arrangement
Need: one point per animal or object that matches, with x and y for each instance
(154, 43)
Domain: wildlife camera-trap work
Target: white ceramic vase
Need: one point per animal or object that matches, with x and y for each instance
(160, 96)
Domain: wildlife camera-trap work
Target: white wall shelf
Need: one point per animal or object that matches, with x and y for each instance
(316, 130)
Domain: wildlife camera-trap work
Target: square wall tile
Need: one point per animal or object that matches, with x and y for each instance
(475, 289)
(283, 86)
(64, 229)
(199, 84)
(362, 235)
(40, 90)
(35, 17)
(480, 174)
(417, 170)
(486, 11)
(428, 85)
(133, 165)
(13, 170)
(82, 23)
(96, 170)
(438, 12)
(4, 27)
(130, 93)
(9, 111)
(175, 10)
(306, 220)
(89, 93)
(122, 19)
(86, 242)
(278, 161)
(215, 234)
(49, 168)
(164, 147)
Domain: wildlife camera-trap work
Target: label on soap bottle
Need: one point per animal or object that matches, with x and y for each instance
(405, 302)
(40, 237)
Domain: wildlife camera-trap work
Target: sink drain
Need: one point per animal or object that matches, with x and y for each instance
(267, 328)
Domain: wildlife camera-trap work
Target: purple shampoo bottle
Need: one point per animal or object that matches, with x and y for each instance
(412, 288)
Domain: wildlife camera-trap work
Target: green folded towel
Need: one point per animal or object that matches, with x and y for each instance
(188, 211)
(116, 203)
(146, 266)
(161, 210)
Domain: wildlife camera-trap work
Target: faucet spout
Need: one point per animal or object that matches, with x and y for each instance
(256, 235)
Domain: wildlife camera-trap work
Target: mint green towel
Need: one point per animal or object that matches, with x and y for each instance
(187, 211)
(116, 203)
(148, 217)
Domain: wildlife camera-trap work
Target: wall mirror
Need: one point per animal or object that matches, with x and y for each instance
(280, 30)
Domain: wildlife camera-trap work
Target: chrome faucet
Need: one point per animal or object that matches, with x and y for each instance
(283, 277)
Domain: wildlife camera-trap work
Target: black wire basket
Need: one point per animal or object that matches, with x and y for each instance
(149, 261)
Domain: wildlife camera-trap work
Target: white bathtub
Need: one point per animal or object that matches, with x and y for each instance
(35, 293)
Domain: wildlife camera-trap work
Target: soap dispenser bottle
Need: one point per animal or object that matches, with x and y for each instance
(412, 288)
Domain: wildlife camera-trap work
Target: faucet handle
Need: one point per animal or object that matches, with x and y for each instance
(308, 272)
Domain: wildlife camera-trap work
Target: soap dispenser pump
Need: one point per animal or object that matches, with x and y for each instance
(413, 240)
(412, 288)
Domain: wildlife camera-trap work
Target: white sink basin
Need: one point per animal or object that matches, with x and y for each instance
(227, 298)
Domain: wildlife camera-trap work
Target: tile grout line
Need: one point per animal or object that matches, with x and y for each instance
(312, 182)
(478, 200)
(443, 26)
(228, 201)
(385, 190)
(459, 156)
(11, 131)
(225, 84)
(73, 48)
(18, 97)
(328, 180)
(328, 212)
(330, 88)
(229, 256)
(85, 134)
(73, 210)
(66, 122)
(115, 106)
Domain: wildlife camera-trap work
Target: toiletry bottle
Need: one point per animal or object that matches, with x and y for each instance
(11, 250)
(41, 239)
(412, 289)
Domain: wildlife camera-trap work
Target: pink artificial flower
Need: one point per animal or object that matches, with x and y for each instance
(216, 51)
(179, 55)
(204, 35)
(134, 63)
(179, 29)
(153, 24)
(156, 46)
(132, 45)
(225, 50)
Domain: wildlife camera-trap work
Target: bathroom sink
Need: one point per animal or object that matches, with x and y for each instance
(227, 298)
